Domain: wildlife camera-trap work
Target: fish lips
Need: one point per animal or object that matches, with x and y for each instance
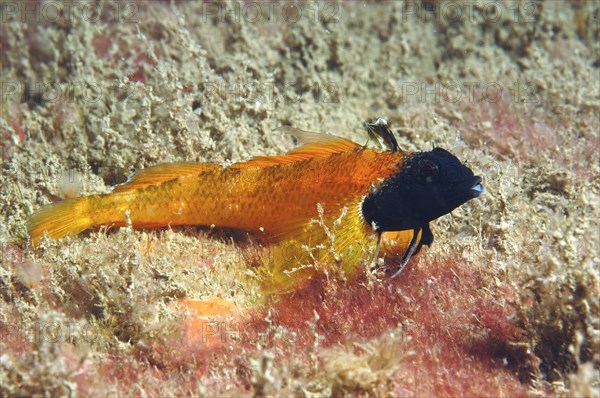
(477, 188)
(465, 193)
(467, 190)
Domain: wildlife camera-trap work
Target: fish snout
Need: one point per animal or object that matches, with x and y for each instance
(477, 188)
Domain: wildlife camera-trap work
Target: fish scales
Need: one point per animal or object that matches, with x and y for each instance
(253, 199)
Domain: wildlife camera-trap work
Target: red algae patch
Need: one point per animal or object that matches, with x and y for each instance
(457, 330)
(525, 132)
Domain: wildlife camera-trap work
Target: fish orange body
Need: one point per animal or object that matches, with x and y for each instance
(307, 204)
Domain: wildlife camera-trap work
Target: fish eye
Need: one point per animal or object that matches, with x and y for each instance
(427, 170)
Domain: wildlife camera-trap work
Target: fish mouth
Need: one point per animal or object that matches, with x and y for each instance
(477, 188)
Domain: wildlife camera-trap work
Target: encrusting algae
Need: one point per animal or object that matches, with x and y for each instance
(330, 200)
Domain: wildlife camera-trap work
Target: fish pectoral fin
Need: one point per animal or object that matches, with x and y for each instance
(164, 172)
(314, 145)
(333, 238)
(377, 249)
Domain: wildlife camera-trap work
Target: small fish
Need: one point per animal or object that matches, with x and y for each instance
(327, 201)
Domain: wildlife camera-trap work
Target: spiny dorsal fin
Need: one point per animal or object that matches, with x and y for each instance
(164, 172)
(314, 145)
(381, 133)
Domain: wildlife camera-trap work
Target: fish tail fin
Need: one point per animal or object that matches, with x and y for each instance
(60, 219)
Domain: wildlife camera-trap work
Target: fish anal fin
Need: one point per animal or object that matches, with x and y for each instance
(313, 145)
(164, 172)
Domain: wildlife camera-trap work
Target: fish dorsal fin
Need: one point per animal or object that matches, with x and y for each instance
(313, 145)
(381, 133)
(164, 172)
(318, 144)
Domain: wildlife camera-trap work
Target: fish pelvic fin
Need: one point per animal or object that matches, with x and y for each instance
(58, 220)
(313, 145)
(160, 173)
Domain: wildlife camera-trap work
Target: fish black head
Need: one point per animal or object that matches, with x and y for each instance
(427, 186)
